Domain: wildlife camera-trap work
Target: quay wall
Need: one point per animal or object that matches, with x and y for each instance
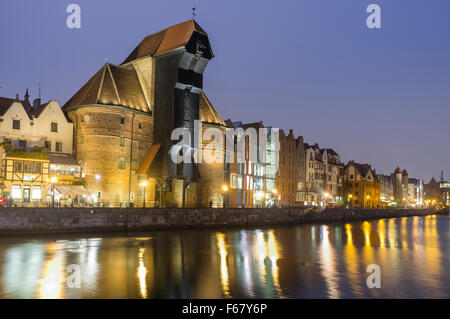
(64, 220)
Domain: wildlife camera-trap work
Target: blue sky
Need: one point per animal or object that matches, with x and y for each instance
(379, 96)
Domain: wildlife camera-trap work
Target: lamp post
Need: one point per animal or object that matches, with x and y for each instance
(274, 192)
(224, 190)
(53, 181)
(143, 185)
(326, 195)
(350, 199)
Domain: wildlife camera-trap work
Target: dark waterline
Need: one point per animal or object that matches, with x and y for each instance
(298, 261)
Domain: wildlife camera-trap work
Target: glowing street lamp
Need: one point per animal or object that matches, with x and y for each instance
(143, 185)
(53, 181)
(224, 190)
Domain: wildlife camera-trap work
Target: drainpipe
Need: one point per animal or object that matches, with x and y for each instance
(131, 159)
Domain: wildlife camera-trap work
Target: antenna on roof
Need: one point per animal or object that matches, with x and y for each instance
(193, 12)
(40, 85)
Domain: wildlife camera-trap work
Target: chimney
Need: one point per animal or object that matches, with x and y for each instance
(36, 103)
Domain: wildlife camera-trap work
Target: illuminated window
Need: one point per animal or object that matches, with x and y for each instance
(16, 191)
(36, 192)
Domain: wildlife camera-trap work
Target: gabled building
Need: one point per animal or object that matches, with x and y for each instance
(34, 138)
(362, 187)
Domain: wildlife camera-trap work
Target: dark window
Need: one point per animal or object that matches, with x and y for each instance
(48, 145)
(58, 147)
(16, 124)
(140, 125)
(17, 166)
(121, 163)
(37, 167)
(54, 127)
(122, 120)
(7, 140)
(23, 144)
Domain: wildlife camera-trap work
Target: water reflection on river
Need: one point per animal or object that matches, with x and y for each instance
(303, 261)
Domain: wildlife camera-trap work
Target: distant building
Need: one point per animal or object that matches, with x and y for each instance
(314, 168)
(362, 187)
(415, 192)
(287, 178)
(386, 189)
(432, 193)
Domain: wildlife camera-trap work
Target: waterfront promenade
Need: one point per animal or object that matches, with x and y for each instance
(62, 220)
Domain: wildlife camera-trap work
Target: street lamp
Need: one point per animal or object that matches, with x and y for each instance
(53, 181)
(224, 190)
(143, 185)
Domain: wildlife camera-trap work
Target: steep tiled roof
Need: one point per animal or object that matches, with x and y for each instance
(36, 111)
(207, 112)
(165, 40)
(5, 104)
(364, 170)
(112, 85)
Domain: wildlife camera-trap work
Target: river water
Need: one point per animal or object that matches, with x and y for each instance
(298, 261)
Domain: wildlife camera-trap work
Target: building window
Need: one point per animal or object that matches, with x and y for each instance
(140, 125)
(233, 181)
(58, 147)
(16, 124)
(36, 193)
(121, 163)
(86, 118)
(37, 167)
(7, 140)
(48, 145)
(16, 191)
(54, 127)
(23, 144)
(99, 195)
(122, 120)
(17, 166)
(122, 141)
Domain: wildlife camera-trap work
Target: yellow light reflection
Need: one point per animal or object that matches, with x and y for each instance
(366, 230)
(273, 253)
(223, 264)
(142, 273)
(348, 232)
(381, 228)
(53, 274)
(328, 263)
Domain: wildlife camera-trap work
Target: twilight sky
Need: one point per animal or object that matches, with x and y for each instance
(376, 96)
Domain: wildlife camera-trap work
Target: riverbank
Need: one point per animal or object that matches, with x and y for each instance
(64, 220)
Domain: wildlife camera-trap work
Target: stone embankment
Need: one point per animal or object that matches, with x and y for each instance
(64, 220)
